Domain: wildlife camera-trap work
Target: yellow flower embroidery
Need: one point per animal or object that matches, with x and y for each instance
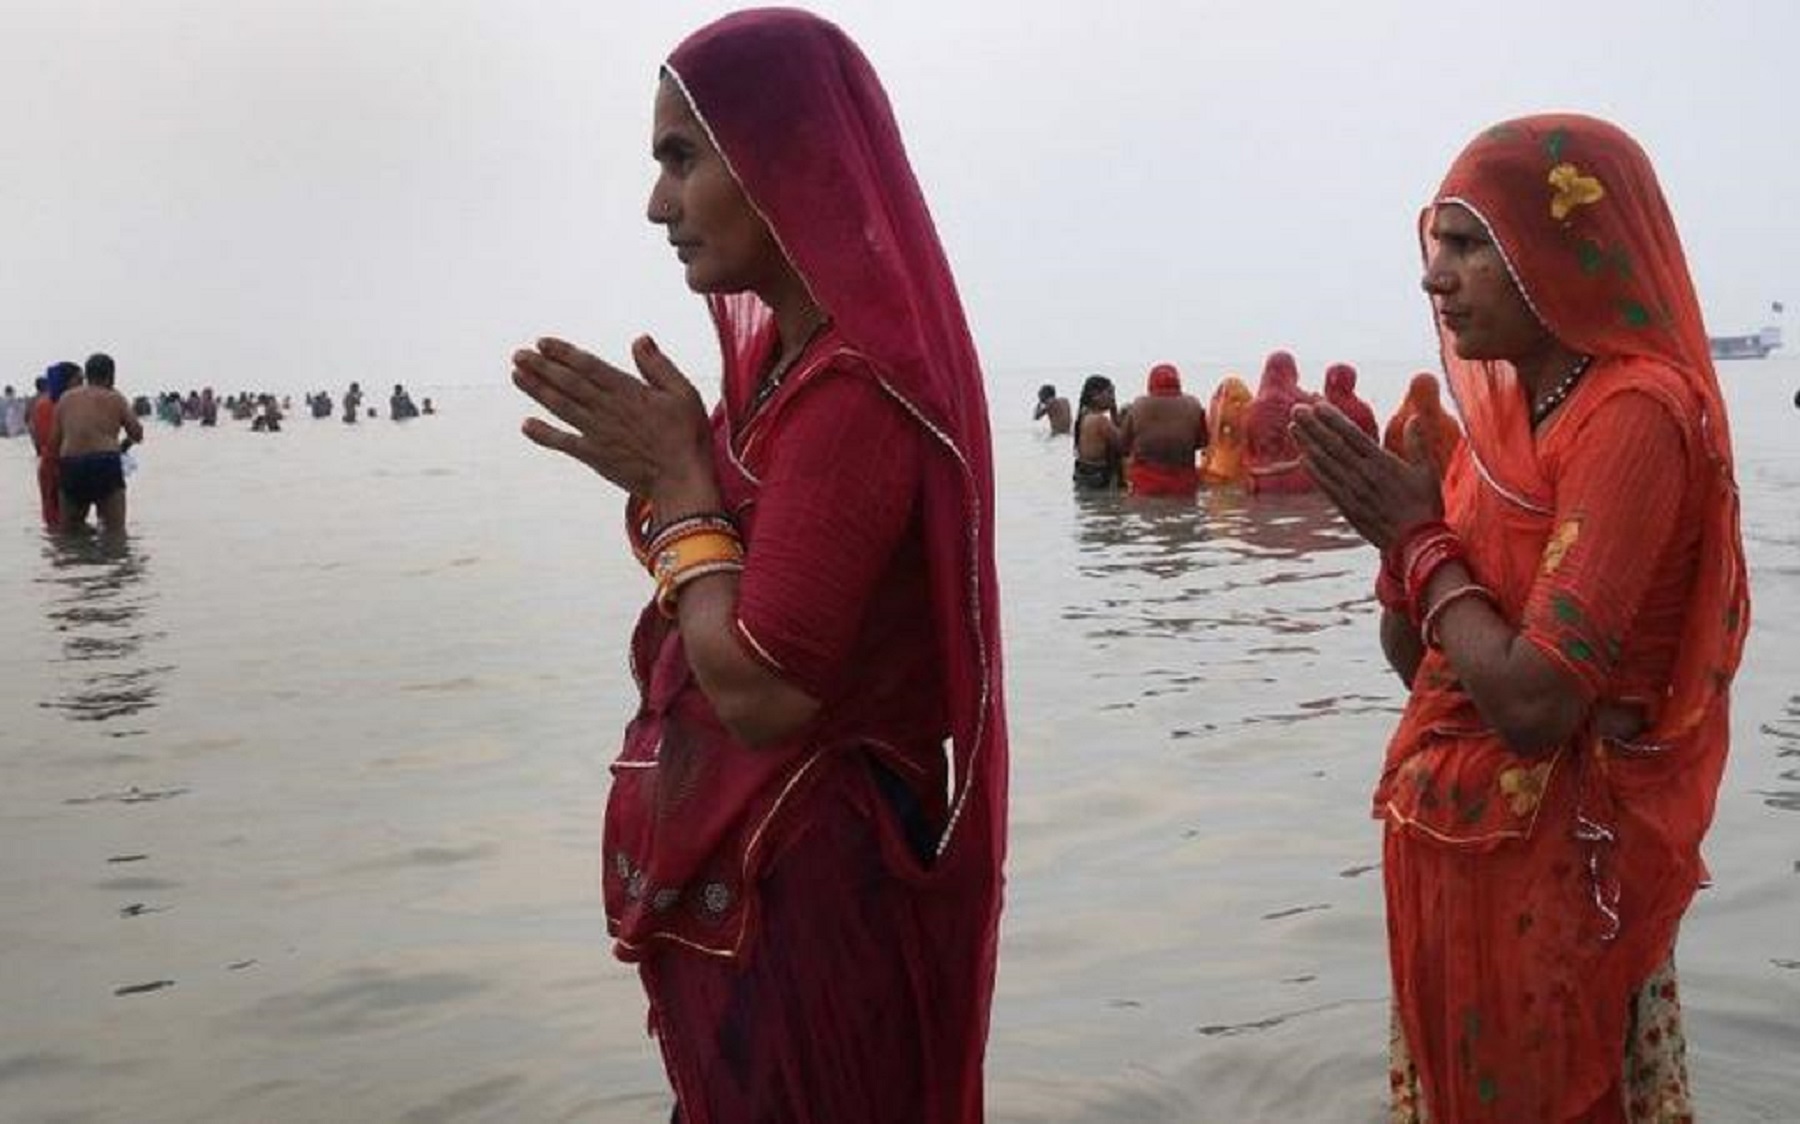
(1572, 190)
(1559, 544)
(1523, 788)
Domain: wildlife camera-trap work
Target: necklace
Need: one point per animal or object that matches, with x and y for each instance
(1548, 404)
(772, 381)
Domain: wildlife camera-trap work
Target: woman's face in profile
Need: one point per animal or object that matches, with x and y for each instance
(1473, 290)
(717, 234)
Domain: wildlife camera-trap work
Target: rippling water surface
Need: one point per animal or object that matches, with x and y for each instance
(299, 792)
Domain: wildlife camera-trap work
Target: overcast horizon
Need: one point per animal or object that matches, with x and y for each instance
(288, 195)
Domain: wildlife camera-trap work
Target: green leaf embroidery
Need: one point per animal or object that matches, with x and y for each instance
(1592, 256)
(1578, 649)
(1553, 144)
(1635, 314)
(1472, 813)
(1565, 608)
(1488, 1089)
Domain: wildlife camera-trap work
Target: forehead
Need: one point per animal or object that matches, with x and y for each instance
(671, 114)
(1454, 218)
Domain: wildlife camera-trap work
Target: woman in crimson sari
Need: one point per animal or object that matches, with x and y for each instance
(803, 842)
(1569, 615)
(1274, 458)
(1340, 391)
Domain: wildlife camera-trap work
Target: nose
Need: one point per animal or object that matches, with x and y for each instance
(1437, 280)
(661, 207)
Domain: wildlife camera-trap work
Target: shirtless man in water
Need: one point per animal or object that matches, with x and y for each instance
(1163, 431)
(85, 434)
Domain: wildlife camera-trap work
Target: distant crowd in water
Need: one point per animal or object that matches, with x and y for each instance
(83, 429)
(1166, 443)
(265, 412)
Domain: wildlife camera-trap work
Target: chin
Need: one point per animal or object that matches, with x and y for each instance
(1470, 347)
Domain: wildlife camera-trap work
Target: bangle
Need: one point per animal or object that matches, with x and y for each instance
(702, 523)
(1423, 555)
(668, 592)
(1428, 628)
(689, 556)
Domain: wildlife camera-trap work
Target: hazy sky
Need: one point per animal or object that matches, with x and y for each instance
(288, 193)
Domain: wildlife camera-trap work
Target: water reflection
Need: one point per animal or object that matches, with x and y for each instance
(96, 597)
(1252, 567)
(1165, 537)
(1287, 527)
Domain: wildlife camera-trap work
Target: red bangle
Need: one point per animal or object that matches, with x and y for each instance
(1423, 551)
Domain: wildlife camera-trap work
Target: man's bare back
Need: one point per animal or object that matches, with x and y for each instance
(1165, 429)
(90, 418)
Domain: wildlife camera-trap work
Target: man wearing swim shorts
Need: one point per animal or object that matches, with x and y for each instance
(89, 419)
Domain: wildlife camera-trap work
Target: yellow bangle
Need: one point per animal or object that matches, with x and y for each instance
(692, 556)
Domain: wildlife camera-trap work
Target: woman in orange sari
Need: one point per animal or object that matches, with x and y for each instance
(1441, 434)
(1569, 615)
(1223, 462)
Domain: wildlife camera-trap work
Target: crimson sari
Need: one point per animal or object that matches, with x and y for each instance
(1531, 897)
(1340, 391)
(816, 922)
(1272, 453)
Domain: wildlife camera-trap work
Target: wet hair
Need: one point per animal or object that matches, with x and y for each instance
(1091, 390)
(100, 369)
(1046, 392)
(42, 382)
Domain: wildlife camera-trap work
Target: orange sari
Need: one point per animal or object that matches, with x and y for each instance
(1442, 434)
(1532, 898)
(1223, 462)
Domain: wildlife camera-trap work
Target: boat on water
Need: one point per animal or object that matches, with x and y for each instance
(1755, 345)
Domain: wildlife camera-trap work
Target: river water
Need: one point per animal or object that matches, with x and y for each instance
(300, 791)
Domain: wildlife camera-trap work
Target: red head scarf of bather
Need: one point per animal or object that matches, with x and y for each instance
(1278, 393)
(1574, 208)
(1275, 463)
(1340, 391)
(1165, 381)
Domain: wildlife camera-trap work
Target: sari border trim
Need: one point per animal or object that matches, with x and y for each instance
(960, 792)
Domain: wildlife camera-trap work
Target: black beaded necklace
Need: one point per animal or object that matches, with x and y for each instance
(1548, 404)
(772, 381)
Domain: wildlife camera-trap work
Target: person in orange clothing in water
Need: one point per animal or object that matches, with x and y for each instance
(1440, 434)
